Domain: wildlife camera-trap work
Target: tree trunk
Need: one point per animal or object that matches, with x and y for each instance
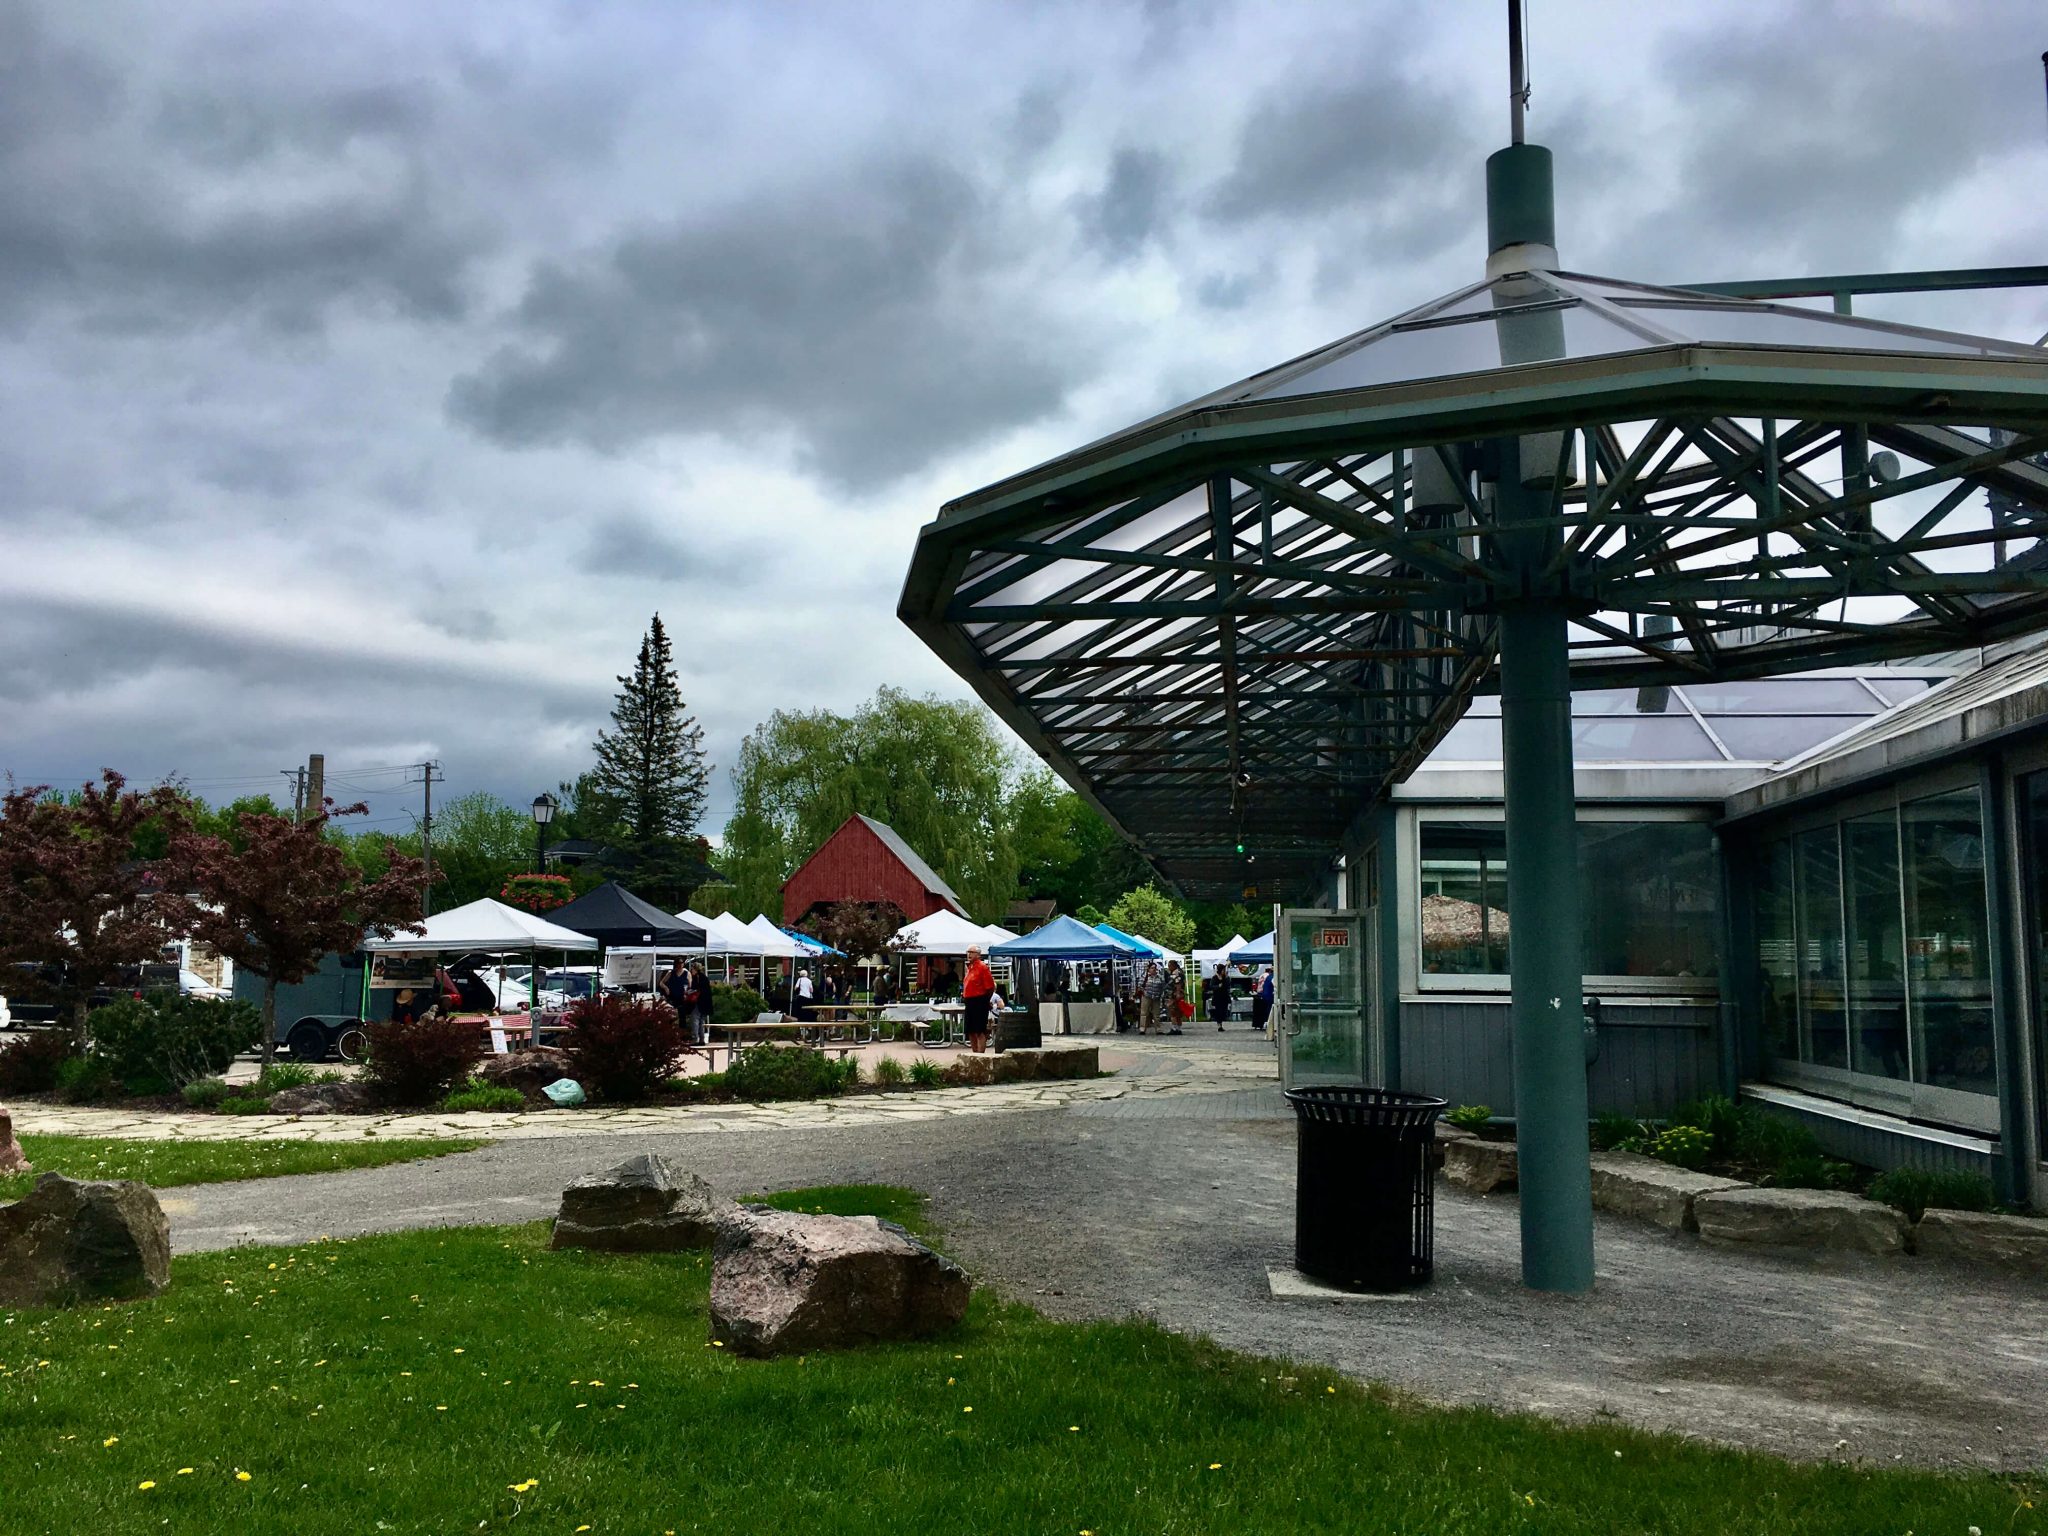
(269, 1041)
(80, 1007)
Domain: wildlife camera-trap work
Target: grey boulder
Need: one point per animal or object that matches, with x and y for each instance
(641, 1206)
(73, 1240)
(782, 1282)
(12, 1158)
(1481, 1166)
(1800, 1218)
(2015, 1244)
(529, 1071)
(321, 1099)
(1629, 1184)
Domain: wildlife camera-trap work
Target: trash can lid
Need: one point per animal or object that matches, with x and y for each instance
(1346, 1104)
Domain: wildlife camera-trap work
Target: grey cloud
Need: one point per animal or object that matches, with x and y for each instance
(1132, 205)
(627, 544)
(877, 320)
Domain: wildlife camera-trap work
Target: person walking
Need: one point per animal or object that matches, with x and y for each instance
(1178, 1006)
(975, 991)
(700, 1004)
(675, 991)
(1262, 999)
(803, 997)
(1216, 994)
(1153, 998)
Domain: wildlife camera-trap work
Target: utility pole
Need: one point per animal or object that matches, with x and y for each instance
(428, 773)
(316, 783)
(298, 778)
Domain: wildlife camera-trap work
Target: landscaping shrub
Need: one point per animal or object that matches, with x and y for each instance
(1768, 1142)
(889, 1072)
(31, 1064)
(83, 1078)
(619, 1048)
(245, 1104)
(925, 1074)
(419, 1063)
(1470, 1117)
(1685, 1146)
(205, 1092)
(164, 1039)
(1721, 1118)
(1916, 1191)
(1812, 1171)
(280, 1075)
(768, 1072)
(735, 1005)
(478, 1094)
(1613, 1132)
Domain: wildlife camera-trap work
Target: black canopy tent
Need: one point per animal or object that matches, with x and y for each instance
(616, 918)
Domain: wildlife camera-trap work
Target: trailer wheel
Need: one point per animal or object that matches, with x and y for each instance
(352, 1044)
(307, 1041)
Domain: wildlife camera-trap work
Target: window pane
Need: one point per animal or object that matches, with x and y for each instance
(1899, 689)
(1783, 696)
(1772, 738)
(1641, 738)
(1876, 946)
(1464, 918)
(1824, 1032)
(1947, 943)
(1648, 893)
(1470, 741)
(1777, 952)
(1648, 898)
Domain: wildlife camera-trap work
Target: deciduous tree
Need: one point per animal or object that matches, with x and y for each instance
(76, 904)
(288, 897)
(1149, 913)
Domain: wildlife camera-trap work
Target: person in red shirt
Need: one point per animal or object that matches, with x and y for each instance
(975, 992)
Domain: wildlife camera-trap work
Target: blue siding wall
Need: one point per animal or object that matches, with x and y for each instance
(1652, 1057)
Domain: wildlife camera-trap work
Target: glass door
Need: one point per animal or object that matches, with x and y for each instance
(1322, 971)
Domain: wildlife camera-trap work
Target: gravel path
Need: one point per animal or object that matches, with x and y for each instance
(1173, 1207)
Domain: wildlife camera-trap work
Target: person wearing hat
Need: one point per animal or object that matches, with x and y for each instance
(975, 992)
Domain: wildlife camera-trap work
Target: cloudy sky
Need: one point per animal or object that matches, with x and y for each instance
(369, 373)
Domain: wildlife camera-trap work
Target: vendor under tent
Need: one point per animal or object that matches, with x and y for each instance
(1258, 952)
(1069, 939)
(485, 926)
(615, 917)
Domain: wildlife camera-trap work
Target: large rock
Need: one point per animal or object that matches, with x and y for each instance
(1480, 1166)
(971, 1069)
(528, 1071)
(1070, 1061)
(1825, 1219)
(2016, 1244)
(1630, 1184)
(322, 1099)
(1018, 1066)
(12, 1158)
(72, 1240)
(641, 1206)
(782, 1282)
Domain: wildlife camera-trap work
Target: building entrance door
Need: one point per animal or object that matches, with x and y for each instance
(1322, 968)
(2032, 817)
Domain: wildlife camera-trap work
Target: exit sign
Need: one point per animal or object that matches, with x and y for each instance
(1334, 938)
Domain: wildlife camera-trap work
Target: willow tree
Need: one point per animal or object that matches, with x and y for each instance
(936, 770)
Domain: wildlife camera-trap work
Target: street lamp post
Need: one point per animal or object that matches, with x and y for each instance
(543, 813)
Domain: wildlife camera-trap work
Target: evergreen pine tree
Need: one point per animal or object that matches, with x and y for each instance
(650, 771)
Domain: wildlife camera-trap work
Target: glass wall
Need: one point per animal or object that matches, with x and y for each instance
(1874, 957)
(1648, 894)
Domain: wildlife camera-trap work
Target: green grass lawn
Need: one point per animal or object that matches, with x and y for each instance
(161, 1164)
(470, 1380)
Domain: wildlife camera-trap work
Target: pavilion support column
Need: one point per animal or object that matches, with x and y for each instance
(1544, 932)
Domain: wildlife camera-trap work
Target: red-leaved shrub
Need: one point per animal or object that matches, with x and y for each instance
(419, 1063)
(29, 1064)
(619, 1048)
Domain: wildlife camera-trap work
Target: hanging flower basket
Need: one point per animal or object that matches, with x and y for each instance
(537, 893)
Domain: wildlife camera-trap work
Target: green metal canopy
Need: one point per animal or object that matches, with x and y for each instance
(1233, 624)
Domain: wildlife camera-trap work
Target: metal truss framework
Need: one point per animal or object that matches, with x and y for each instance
(1237, 653)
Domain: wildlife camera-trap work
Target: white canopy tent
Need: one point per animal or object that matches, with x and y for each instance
(485, 925)
(945, 932)
(772, 943)
(1206, 960)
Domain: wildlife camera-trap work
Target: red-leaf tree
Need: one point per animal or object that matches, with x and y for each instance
(76, 904)
(287, 898)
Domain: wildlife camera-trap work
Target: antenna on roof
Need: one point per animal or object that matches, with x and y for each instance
(1518, 72)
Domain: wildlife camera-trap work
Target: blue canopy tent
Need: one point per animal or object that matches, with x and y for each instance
(815, 946)
(1068, 938)
(1258, 952)
(1136, 945)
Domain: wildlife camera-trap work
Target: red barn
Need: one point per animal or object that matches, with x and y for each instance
(866, 861)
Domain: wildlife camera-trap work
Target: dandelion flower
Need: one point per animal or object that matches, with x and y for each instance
(1215, 1466)
(440, 1407)
(458, 1351)
(241, 1477)
(110, 1440)
(967, 1410)
(1073, 1429)
(146, 1484)
(184, 1471)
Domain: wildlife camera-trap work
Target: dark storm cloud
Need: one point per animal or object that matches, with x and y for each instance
(270, 195)
(1823, 135)
(1132, 205)
(628, 544)
(877, 320)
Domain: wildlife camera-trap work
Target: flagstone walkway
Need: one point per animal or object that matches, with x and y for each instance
(1143, 1070)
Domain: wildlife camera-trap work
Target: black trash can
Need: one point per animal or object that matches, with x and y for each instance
(1364, 1194)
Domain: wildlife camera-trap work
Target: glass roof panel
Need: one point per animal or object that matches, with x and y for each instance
(1772, 738)
(1897, 690)
(1785, 326)
(1782, 695)
(1642, 738)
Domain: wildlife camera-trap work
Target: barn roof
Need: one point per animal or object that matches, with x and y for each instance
(908, 857)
